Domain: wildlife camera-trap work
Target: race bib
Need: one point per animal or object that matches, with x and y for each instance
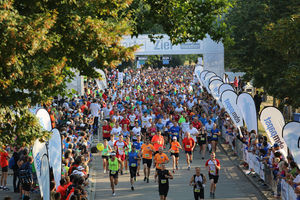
(175, 133)
(197, 190)
(152, 134)
(120, 148)
(212, 171)
(163, 181)
(113, 172)
(215, 136)
(202, 139)
(172, 151)
(147, 155)
(187, 146)
(133, 164)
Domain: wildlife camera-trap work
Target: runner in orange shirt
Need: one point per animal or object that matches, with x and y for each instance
(157, 141)
(175, 146)
(146, 151)
(160, 158)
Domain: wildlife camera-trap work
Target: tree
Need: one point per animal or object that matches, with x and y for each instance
(42, 44)
(266, 46)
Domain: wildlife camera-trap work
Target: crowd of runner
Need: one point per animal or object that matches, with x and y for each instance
(149, 117)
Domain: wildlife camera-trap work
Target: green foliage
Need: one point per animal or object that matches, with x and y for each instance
(266, 46)
(182, 20)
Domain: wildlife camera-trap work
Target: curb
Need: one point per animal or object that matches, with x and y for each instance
(92, 181)
(263, 195)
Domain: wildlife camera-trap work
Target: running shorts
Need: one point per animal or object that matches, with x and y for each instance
(132, 171)
(214, 177)
(148, 162)
(113, 173)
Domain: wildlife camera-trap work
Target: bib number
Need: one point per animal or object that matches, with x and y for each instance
(202, 139)
(187, 146)
(163, 181)
(147, 155)
(133, 164)
(197, 190)
(215, 136)
(152, 134)
(172, 151)
(113, 172)
(212, 171)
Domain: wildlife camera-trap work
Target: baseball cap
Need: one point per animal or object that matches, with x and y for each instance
(174, 137)
(113, 153)
(276, 145)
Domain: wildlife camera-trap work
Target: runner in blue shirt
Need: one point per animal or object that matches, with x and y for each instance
(215, 133)
(174, 131)
(138, 144)
(133, 158)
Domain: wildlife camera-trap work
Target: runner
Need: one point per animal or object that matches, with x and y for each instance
(198, 181)
(160, 158)
(127, 150)
(120, 146)
(157, 141)
(215, 133)
(175, 146)
(4, 165)
(105, 155)
(189, 144)
(208, 127)
(133, 158)
(113, 166)
(163, 181)
(138, 145)
(201, 139)
(146, 150)
(213, 166)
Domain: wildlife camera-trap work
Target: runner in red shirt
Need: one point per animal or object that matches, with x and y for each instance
(106, 129)
(213, 166)
(4, 165)
(188, 144)
(124, 121)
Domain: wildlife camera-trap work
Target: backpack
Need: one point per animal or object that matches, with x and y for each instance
(11, 163)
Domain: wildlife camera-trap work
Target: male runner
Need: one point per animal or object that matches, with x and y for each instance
(189, 144)
(160, 158)
(198, 180)
(163, 181)
(133, 158)
(146, 150)
(213, 166)
(138, 145)
(157, 141)
(113, 166)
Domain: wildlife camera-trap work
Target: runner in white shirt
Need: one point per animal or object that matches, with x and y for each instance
(132, 117)
(193, 131)
(116, 131)
(136, 131)
(120, 146)
(208, 127)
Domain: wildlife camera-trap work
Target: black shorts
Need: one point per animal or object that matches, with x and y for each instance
(199, 195)
(175, 154)
(188, 152)
(5, 169)
(201, 142)
(113, 173)
(148, 162)
(132, 171)
(163, 189)
(215, 177)
(105, 157)
(208, 138)
(26, 187)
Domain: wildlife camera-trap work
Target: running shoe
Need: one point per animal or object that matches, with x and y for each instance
(132, 188)
(176, 167)
(213, 195)
(114, 194)
(202, 158)
(210, 194)
(145, 178)
(173, 171)
(138, 174)
(189, 167)
(5, 188)
(104, 171)
(121, 172)
(1, 187)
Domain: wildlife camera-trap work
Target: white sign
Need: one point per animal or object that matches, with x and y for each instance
(291, 136)
(44, 119)
(273, 122)
(224, 87)
(40, 157)
(228, 99)
(247, 107)
(55, 152)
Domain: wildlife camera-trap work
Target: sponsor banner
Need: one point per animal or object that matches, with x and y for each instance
(202, 75)
(246, 105)
(291, 136)
(44, 119)
(214, 78)
(224, 87)
(55, 152)
(228, 99)
(102, 84)
(198, 70)
(41, 164)
(214, 88)
(206, 80)
(273, 122)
